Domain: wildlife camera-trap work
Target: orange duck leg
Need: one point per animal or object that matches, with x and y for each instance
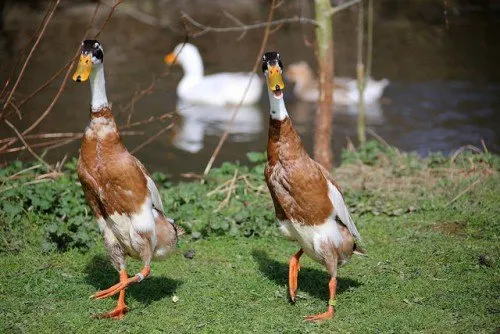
(331, 303)
(293, 274)
(125, 281)
(120, 309)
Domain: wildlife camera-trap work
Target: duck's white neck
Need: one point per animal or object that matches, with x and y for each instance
(278, 109)
(98, 88)
(192, 66)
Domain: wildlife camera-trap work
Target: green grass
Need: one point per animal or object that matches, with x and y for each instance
(432, 263)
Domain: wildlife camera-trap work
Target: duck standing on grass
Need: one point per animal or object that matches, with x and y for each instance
(307, 201)
(118, 189)
(218, 89)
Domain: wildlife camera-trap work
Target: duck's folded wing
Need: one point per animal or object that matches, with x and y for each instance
(338, 202)
(153, 191)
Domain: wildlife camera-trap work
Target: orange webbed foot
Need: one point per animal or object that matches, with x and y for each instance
(322, 316)
(117, 313)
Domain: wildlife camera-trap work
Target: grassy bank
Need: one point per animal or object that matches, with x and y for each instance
(431, 228)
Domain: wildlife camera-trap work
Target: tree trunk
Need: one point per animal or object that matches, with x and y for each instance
(324, 114)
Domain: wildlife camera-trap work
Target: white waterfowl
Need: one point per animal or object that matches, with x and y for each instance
(345, 89)
(215, 89)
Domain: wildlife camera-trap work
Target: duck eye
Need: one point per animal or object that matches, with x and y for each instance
(278, 55)
(96, 45)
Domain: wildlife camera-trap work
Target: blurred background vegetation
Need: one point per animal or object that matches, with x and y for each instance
(439, 55)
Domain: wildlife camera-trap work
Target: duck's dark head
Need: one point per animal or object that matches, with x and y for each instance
(92, 54)
(273, 69)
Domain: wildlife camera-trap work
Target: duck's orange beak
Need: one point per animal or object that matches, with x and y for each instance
(274, 78)
(83, 69)
(170, 59)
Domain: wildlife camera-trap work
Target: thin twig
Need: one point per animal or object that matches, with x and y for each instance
(206, 29)
(376, 136)
(111, 11)
(61, 141)
(343, 6)
(483, 144)
(48, 82)
(44, 136)
(235, 112)
(140, 16)
(369, 46)
(21, 54)
(464, 191)
(61, 87)
(238, 22)
(147, 121)
(49, 17)
(216, 190)
(27, 146)
(229, 192)
(150, 139)
(146, 91)
(463, 149)
(361, 77)
(16, 109)
(15, 175)
(24, 184)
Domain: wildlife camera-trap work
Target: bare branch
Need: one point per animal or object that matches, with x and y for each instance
(48, 82)
(152, 138)
(23, 51)
(238, 22)
(16, 109)
(33, 48)
(111, 11)
(140, 16)
(343, 6)
(206, 29)
(61, 88)
(65, 140)
(27, 146)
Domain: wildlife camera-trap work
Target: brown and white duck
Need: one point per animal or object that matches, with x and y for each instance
(118, 189)
(309, 205)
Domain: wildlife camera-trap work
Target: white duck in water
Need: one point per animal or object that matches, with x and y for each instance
(345, 88)
(215, 89)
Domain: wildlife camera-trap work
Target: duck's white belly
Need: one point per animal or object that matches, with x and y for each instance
(126, 229)
(313, 238)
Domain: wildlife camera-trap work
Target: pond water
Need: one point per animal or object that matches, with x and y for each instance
(444, 89)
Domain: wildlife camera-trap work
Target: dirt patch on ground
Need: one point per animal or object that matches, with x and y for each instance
(450, 228)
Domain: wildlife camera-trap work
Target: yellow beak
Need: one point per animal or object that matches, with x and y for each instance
(170, 59)
(83, 69)
(274, 78)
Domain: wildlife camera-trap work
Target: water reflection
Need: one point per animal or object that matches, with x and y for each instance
(199, 121)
